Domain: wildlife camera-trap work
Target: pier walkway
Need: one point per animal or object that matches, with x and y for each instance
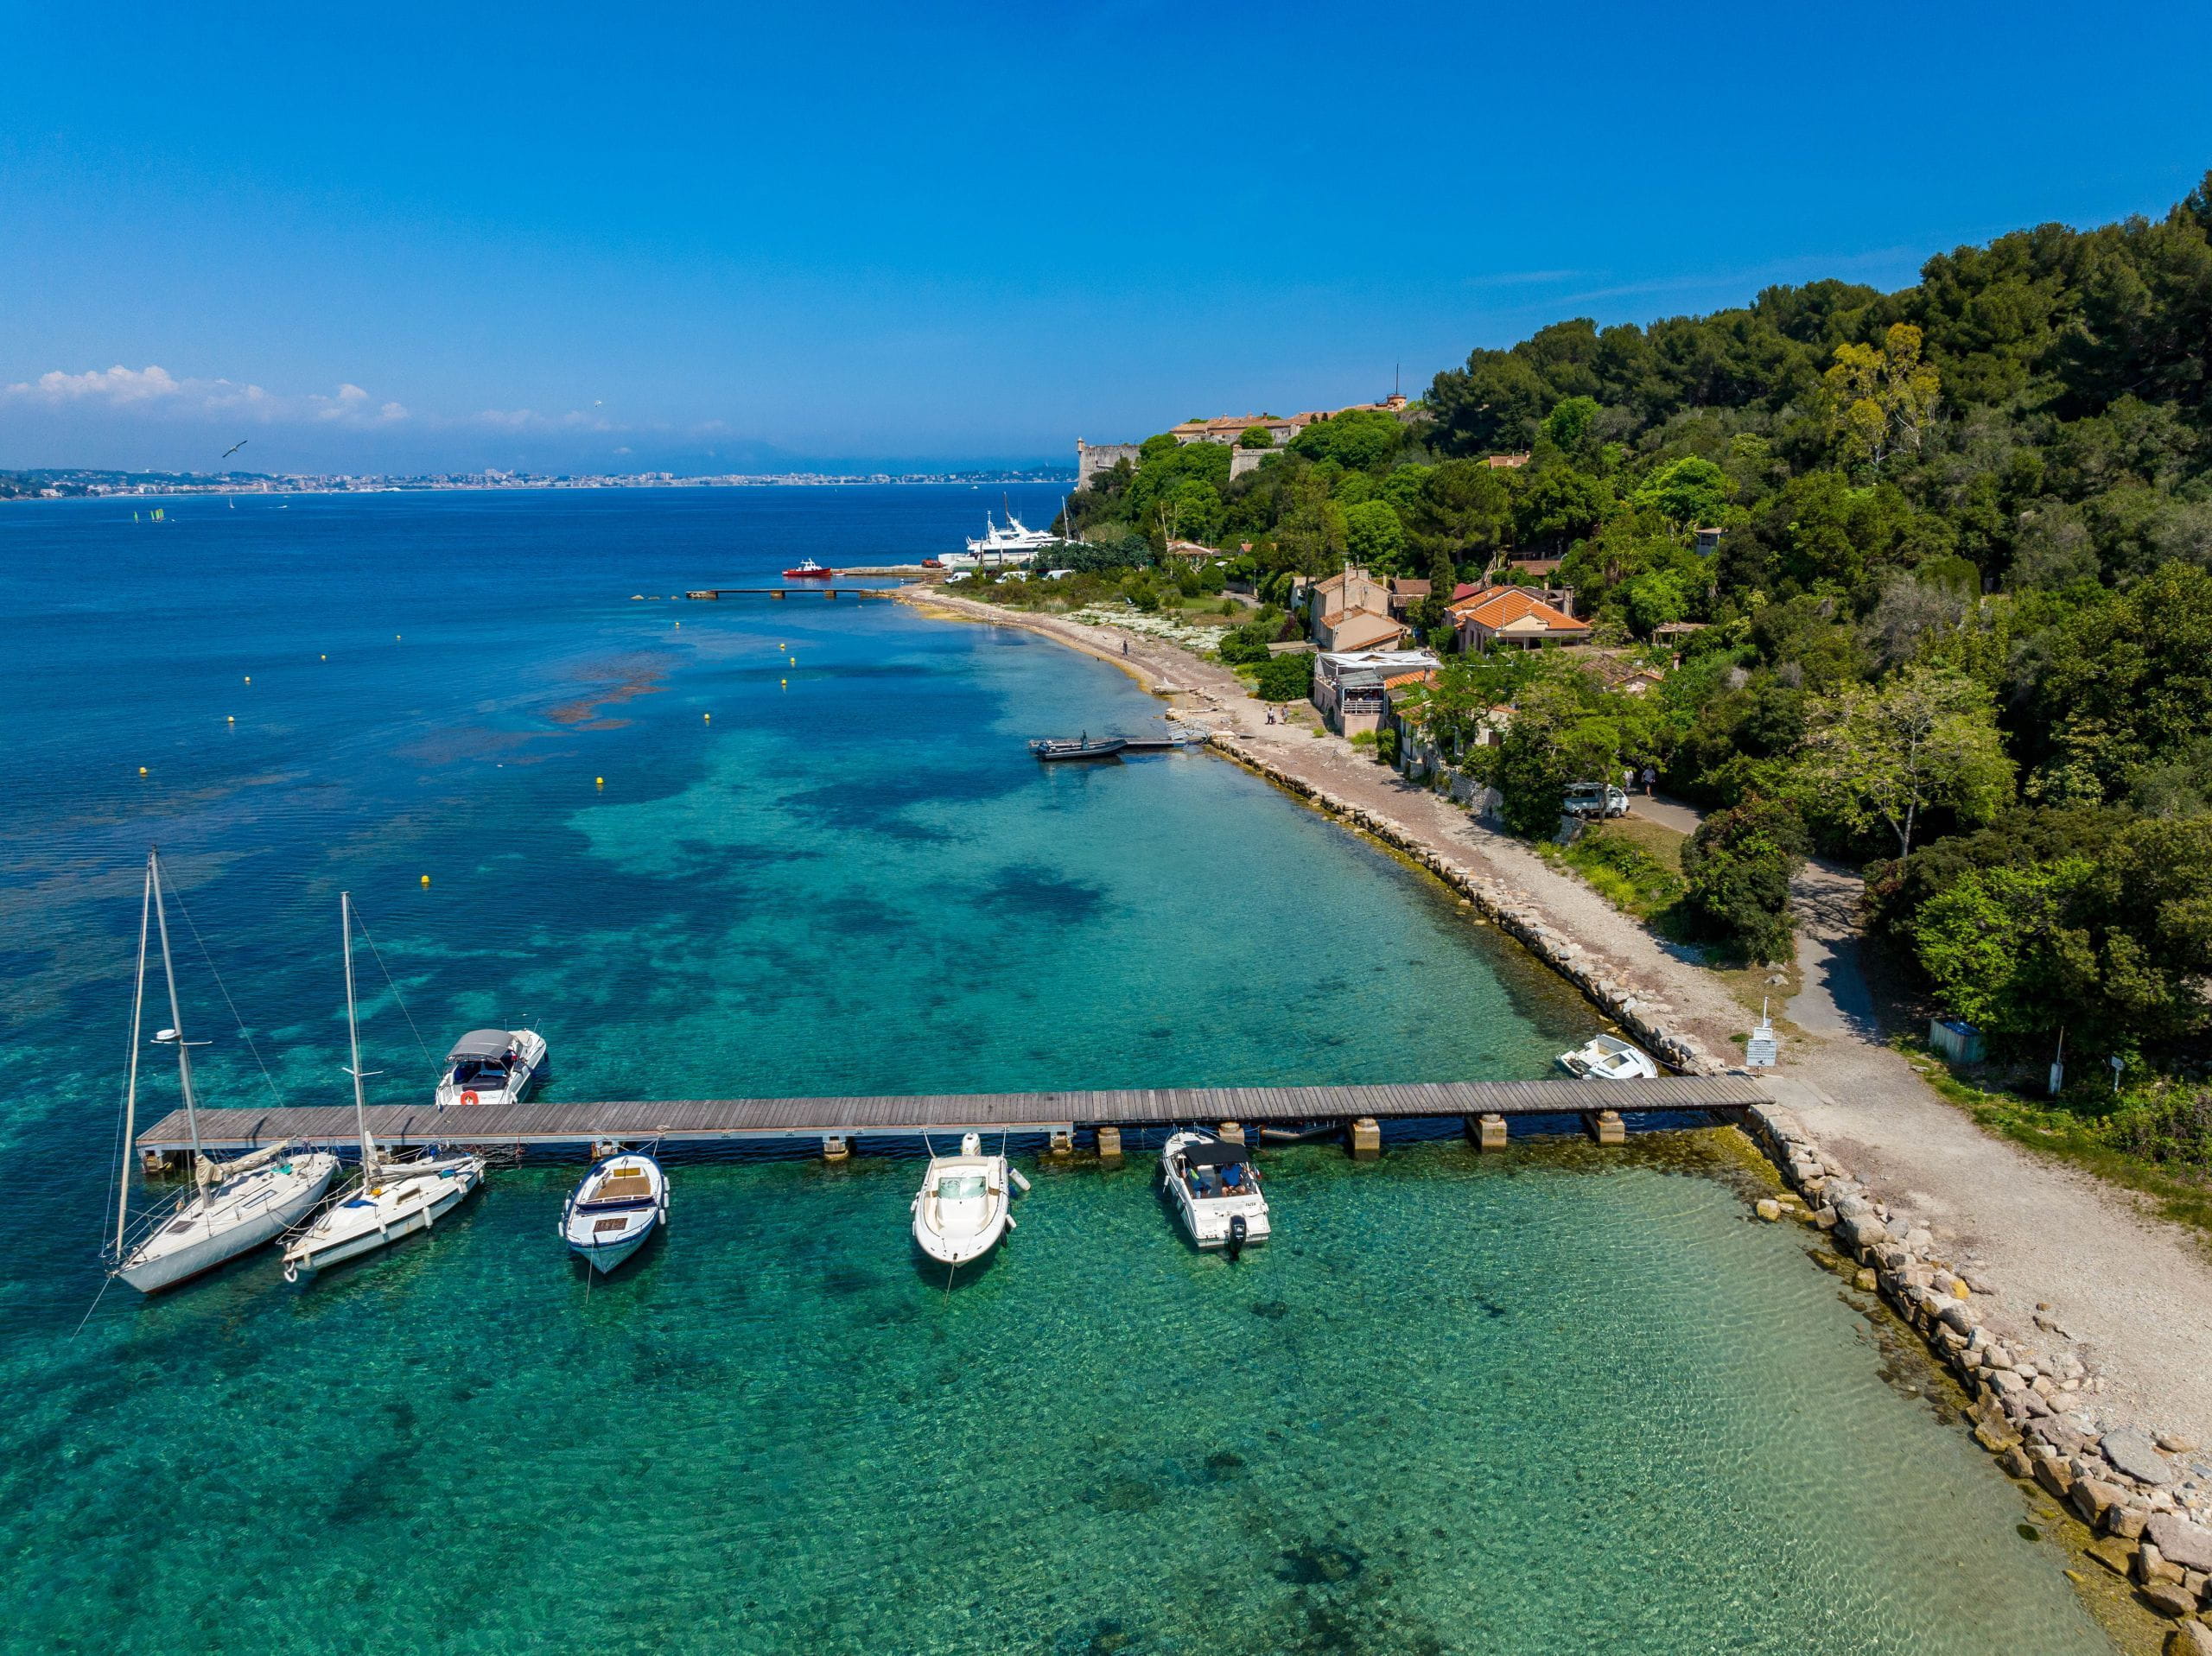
(734, 1120)
(809, 590)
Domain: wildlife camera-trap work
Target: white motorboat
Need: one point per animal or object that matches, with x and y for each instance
(965, 1204)
(1608, 1057)
(492, 1066)
(610, 1215)
(233, 1206)
(392, 1199)
(1216, 1191)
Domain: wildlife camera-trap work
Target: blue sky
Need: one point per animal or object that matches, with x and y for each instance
(727, 238)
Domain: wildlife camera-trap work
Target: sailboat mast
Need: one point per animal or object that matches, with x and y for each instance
(131, 1085)
(353, 1039)
(176, 1017)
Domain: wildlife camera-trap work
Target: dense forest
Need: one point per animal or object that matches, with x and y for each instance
(1957, 628)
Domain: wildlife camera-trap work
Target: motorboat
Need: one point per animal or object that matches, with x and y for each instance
(965, 1204)
(609, 1216)
(232, 1207)
(1216, 1191)
(1050, 749)
(809, 570)
(392, 1198)
(492, 1066)
(1608, 1057)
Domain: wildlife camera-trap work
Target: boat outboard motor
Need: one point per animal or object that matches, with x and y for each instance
(1236, 1229)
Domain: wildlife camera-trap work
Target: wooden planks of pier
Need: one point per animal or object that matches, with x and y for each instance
(733, 1120)
(808, 591)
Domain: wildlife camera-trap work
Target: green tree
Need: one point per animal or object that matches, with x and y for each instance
(1285, 678)
(1572, 420)
(1995, 946)
(1374, 536)
(1927, 738)
(1880, 396)
(1357, 440)
(1691, 492)
(1558, 504)
(1738, 866)
(1256, 437)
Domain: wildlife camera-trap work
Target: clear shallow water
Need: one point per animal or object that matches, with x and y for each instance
(1459, 1406)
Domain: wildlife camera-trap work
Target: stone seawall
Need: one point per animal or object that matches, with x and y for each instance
(1642, 1012)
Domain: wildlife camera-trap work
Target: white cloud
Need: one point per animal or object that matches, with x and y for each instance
(532, 420)
(155, 390)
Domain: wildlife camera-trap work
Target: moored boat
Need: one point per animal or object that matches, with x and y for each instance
(392, 1199)
(809, 570)
(1216, 1191)
(1607, 1058)
(965, 1204)
(609, 1216)
(1052, 749)
(233, 1206)
(492, 1066)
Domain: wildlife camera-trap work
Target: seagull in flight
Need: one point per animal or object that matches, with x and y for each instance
(235, 447)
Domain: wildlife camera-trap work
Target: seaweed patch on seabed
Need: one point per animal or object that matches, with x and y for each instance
(630, 680)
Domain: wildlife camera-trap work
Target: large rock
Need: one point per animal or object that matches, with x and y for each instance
(2180, 1541)
(2059, 1435)
(2169, 1598)
(2094, 1499)
(2130, 1448)
(2191, 1639)
(1860, 1230)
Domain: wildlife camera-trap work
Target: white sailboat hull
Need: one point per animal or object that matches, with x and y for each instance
(408, 1197)
(205, 1231)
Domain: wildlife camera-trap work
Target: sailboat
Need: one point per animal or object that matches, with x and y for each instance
(393, 1198)
(233, 1206)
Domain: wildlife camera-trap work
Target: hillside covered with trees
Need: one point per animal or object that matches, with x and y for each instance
(1958, 625)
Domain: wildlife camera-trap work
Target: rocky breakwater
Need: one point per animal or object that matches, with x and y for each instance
(1638, 1010)
(2145, 1495)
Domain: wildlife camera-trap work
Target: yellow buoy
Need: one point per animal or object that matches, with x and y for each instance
(395, 638)
(785, 682)
(707, 716)
(142, 770)
(249, 678)
(598, 782)
(231, 719)
(326, 659)
(426, 879)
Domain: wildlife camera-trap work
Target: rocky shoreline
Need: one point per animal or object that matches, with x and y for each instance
(2144, 1497)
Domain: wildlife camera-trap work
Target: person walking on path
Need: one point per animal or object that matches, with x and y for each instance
(1650, 778)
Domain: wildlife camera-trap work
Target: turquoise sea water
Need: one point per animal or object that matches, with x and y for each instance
(1458, 1404)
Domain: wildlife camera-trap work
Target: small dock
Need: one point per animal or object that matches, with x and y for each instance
(809, 590)
(737, 1121)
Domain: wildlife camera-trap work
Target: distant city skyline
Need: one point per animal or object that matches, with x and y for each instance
(906, 239)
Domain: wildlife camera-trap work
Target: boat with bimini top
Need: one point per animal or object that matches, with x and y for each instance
(232, 1207)
(492, 1066)
(1216, 1191)
(612, 1213)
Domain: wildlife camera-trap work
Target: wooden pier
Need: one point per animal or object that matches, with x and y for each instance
(734, 1121)
(808, 591)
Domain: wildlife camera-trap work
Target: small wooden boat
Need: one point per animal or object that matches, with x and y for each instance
(1607, 1058)
(1050, 748)
(611, 1214)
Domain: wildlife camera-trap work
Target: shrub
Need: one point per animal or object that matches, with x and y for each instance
(1245, 643)
(1286, 678)
(1386, 746)
(1738, 865)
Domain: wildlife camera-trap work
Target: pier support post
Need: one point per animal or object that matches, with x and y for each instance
(602, 1148)
(1060, 1143)
(836, 1147)
(1109, 1147)
(1366, 1139)
(155, 1163)
(1231, 1133)
(1486, 1132)
(1605, 1126)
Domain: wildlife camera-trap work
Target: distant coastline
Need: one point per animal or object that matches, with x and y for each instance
(87, 483)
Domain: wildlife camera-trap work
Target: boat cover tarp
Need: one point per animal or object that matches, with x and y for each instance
(1215, 1154)
(481, 1044)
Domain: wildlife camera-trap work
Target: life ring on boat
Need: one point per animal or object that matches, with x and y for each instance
(469, 1098)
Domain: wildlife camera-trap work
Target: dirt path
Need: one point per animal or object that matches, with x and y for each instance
(2133, 1291)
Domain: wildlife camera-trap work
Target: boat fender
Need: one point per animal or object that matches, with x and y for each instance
(1236, 1232)
(1019, 1183)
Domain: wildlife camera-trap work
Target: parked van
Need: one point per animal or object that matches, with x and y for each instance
(1598, 799)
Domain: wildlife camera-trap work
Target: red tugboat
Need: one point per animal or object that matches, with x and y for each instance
(810, 570)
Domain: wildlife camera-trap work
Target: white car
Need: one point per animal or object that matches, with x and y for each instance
(1598, 799)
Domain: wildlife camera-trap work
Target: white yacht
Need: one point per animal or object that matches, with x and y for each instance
(965, 1204)
(1607, 1058)
(231, 1206)
(393, 1198)
(1216, 1191)
(608, 1216)
(1007, 547)
(492, 1066)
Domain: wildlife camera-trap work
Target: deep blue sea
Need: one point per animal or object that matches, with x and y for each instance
(1526, 1403)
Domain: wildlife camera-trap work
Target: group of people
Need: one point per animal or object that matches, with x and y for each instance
(1219, 1180)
